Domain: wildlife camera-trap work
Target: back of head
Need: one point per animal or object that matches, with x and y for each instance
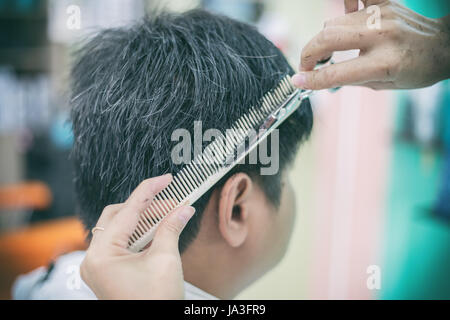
(132, 87)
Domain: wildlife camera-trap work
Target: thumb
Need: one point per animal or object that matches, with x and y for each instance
(168, 232)
(354, 71)
(314, 80)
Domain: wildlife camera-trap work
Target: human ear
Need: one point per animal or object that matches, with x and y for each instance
(234, 209)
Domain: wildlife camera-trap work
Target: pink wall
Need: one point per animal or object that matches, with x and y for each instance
(352, 137)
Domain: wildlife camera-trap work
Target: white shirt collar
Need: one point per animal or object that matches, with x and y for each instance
(65, 282)
(191, 292)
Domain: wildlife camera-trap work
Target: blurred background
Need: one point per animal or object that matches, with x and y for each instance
(373, 182)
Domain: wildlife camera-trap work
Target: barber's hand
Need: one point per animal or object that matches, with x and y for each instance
(407, 51)
(113, 272)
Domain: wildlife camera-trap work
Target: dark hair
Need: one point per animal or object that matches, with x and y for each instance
(133, 86)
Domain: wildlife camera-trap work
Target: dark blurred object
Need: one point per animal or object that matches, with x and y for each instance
(23, 35)
(442, 207)
(426, 122)
(421, 118)
(48, 163)
(26, 195)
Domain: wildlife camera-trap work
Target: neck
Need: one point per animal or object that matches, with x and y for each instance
(212, 273)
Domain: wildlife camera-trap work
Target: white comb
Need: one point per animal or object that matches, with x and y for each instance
(211, 165)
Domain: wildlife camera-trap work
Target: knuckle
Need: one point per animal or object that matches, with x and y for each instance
(151, 187)
(313, 80)
(144, 190)
(330, 76)
(327, 37)
(386, 32)
(109, 208)
(328, 23)
(399, 61)
(388, 68)
(134, 206)
(146, 184)
(385, 71)
(319, 78)
(393, 28)
(172, 227)
(323, 35)
(306, 55)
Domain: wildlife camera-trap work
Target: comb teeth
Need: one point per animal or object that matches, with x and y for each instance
(195, 178)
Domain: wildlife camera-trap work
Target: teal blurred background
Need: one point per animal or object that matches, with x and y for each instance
(417, 245)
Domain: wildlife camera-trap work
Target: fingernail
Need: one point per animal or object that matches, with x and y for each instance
(299, 80)
(186, 214)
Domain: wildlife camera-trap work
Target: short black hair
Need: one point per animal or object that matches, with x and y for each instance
(133, 86)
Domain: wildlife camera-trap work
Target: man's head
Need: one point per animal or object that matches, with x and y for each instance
(132, 87)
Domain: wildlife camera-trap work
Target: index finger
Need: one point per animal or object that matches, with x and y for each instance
(125, 221)
(355, 71)
(330, 39)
